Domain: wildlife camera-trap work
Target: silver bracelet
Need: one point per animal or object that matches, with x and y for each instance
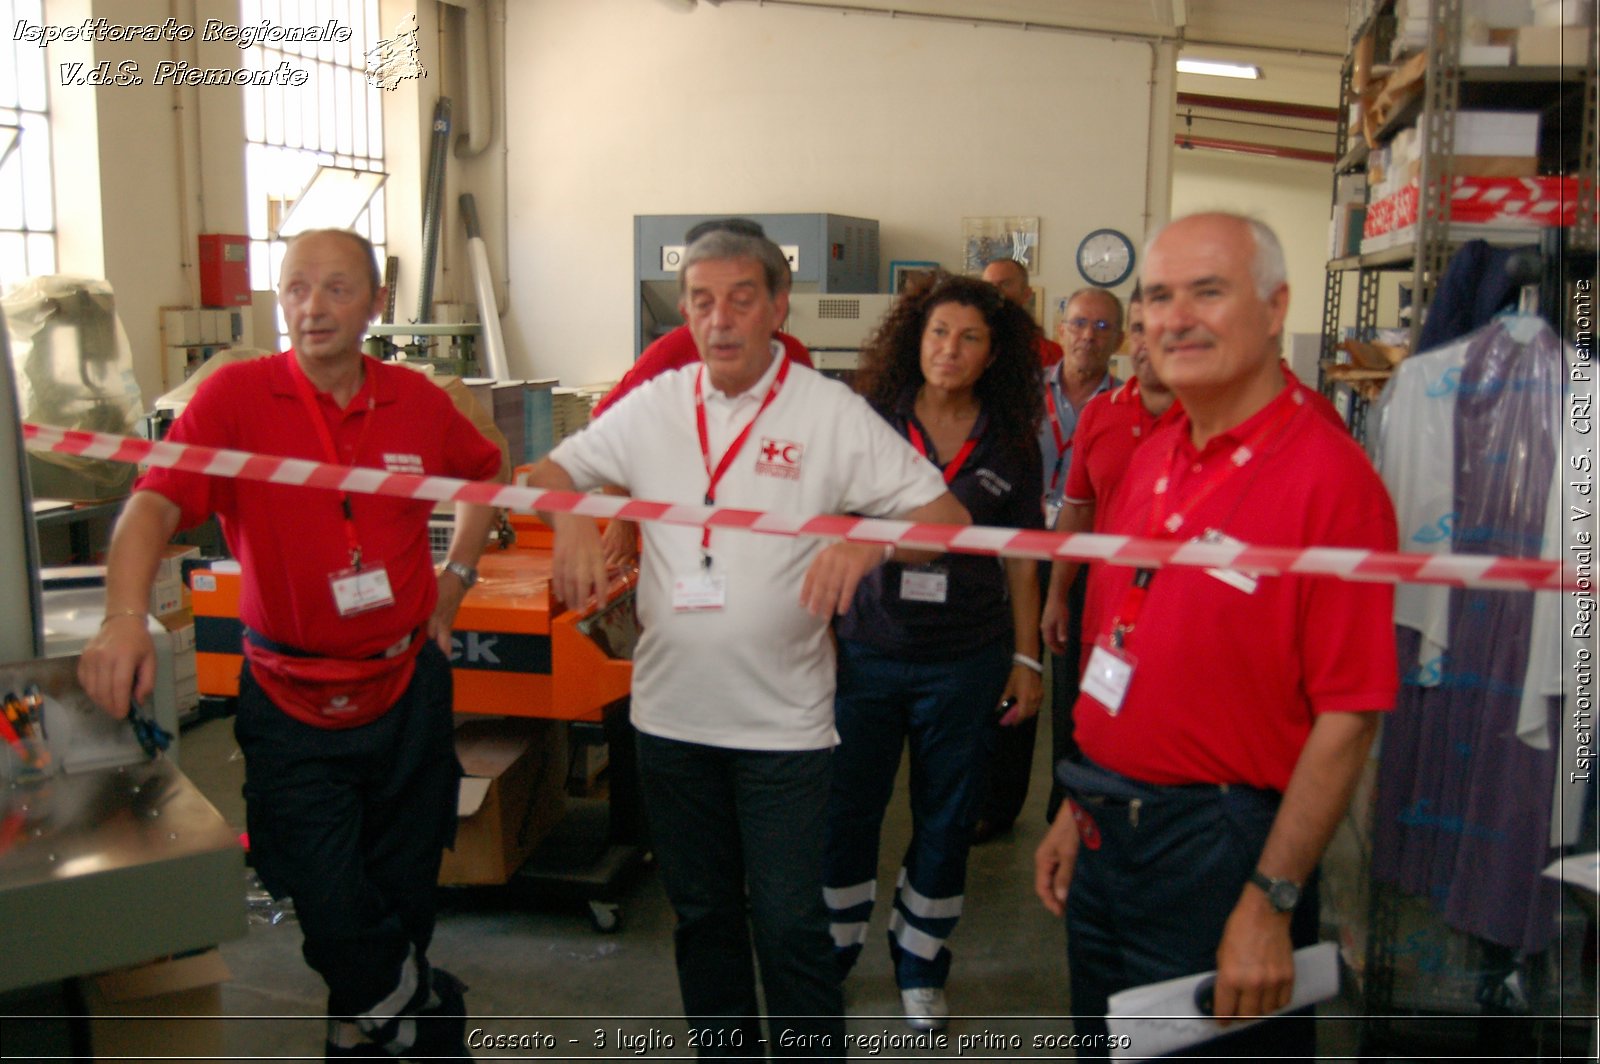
(1032, 663)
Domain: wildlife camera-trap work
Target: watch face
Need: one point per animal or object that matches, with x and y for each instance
(1105, 257)
(1284, 896)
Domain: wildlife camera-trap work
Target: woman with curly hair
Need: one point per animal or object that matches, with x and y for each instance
(928, 653)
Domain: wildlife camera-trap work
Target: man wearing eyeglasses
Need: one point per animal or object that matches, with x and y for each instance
(1090, 332)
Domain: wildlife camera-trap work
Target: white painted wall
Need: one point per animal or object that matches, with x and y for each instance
(1291, 196)
(141, 169)
(624, 107)
(613, 108)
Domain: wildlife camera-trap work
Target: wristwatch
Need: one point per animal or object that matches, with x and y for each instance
(467, 573)
(1282, 894)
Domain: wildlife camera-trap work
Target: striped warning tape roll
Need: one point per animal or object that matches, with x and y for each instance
(1458, 570)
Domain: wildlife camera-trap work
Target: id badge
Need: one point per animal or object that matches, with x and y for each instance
(699, 591)
(1052, 510)
(359, 590)
(1107, 676)
(924, 584)
(1243, 581)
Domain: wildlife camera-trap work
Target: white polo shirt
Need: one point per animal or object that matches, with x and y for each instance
(757, 674)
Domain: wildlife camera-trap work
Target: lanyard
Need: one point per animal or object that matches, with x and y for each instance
(962, 455)
(1063, 442)
(308, 399)
(733, 448)
(1165, 520)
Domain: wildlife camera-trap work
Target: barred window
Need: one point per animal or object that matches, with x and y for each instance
(334, 119)
(27, 200)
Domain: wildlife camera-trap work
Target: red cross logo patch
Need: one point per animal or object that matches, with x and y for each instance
(779, 458)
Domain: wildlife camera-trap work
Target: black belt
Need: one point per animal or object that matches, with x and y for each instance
(1092, 784)
(272, 645)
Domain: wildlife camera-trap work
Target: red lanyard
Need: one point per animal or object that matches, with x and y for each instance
(1165, 521)
(308, 398)
(1063, 443)
(959, 460)
(737, 445)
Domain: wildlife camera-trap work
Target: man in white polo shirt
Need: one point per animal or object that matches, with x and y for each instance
(734, 674)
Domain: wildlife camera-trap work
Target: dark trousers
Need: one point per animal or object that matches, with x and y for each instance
(1151, 901)
(1064, 675)
(351, 825)
(738, 836)
(1011, 762)
(943, 712)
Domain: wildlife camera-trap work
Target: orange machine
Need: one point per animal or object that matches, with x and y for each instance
(510, 656)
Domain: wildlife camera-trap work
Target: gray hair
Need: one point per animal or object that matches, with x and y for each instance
(1267, 267)
(1103, 293)
(732, 244)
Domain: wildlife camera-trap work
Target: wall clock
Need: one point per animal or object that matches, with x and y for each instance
(1105, 257)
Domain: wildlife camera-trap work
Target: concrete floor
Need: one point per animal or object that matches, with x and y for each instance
(543, 978)
(536, 966)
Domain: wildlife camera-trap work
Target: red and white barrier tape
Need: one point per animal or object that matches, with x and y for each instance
(1460, 570)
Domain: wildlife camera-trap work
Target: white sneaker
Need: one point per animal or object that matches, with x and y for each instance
(926, 1008)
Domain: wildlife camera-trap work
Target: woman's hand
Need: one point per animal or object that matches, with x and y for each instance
(1026, 690)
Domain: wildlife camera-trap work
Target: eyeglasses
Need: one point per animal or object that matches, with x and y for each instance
(1099, 324)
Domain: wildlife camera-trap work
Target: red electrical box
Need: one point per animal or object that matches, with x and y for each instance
(224, 270)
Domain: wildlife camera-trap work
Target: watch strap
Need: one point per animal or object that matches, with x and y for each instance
(467, 574)
(1283, 894)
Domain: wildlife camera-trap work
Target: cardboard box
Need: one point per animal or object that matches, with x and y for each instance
(513, 793)
(1552, 45)
(166, 596)
(1496, 133)
(1345, 238)
(178, 1003)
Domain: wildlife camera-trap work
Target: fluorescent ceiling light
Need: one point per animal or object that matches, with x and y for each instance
(1218, 69)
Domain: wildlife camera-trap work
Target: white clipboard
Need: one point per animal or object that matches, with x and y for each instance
(1163, 1017)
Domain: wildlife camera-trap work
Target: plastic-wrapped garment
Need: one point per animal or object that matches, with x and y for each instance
(1416, 456)
(1463, 807)
(74, 370)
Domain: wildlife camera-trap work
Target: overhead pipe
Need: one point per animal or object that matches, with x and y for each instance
(1260, 107)
(479, 116)
(1245, 147)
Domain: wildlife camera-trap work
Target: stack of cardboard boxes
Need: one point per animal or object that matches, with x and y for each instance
(170, 604)
(1495, 155)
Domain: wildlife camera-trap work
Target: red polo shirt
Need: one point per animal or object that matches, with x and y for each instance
(1111, 426)
(289, 540)
(1050, 352)
(1227, 683)
(671, 351)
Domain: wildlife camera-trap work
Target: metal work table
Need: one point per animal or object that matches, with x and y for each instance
(112, 867)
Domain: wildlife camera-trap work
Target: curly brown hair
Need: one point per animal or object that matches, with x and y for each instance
(1010, 389)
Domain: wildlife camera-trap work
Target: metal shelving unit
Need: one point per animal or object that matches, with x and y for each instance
(1562, 94)
(1448, 87)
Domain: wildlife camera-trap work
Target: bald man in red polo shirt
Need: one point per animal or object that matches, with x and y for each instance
(344, 709)
(1011, 277)
(1224, 717)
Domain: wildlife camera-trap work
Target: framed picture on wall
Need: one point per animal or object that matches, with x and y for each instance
(1000, 237)
(904, 272)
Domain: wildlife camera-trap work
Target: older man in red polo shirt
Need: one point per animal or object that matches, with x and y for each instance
(1224, 717)
(1113, 425)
